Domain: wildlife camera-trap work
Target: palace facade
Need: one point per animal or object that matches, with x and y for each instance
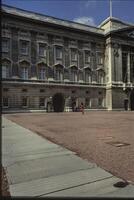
(43, 56)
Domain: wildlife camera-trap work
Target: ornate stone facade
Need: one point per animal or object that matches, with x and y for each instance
(42, 56)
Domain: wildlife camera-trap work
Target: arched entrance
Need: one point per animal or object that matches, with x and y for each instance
(58, 102)
(132, 100)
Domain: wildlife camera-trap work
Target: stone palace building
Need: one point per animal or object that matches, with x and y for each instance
(43, 56)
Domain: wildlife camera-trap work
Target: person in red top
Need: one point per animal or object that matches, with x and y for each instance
(82, 108)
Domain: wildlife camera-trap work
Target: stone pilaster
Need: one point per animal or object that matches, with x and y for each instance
(14, 53)
(128, 67)
(33, 55)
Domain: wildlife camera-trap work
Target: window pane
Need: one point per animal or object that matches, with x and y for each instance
(42, 49)
(42, 101)
(24, 73)
(5, 101)
(99, 59)
(100, 102)
(5, 45)
(58, 52)
(59, 75)
(24, 101)
(88, 77)
(24, 47)
(5, 72)
(87, 102)
(42, 73)
(74, 76)
(73, 54)
(87, 56)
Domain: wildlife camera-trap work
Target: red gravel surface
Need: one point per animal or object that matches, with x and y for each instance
(89, 135)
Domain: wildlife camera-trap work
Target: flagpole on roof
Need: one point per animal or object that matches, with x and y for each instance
(110, 8)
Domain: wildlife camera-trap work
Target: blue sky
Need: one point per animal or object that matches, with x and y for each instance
(91, 12)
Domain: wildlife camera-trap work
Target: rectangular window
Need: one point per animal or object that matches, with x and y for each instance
(87, 57)
(58, 52)
(5, 71)
(100, 102)
(5, 45)
(42, 50)
(24, 73)
(88, 77)
(59, 75)
(5, 102)
(24, 47)
(24, 102)
(42, 73)
(73, 55)
(87, 102)
(99, 58)
(42, 102)
(74, 76)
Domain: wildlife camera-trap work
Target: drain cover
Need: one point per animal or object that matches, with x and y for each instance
(121, 184)
(118, 144)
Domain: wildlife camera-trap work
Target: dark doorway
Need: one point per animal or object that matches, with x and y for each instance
(126, 104)
(58, 102)
(132, 100)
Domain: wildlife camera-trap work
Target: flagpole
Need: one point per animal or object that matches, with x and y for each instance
(110, 8)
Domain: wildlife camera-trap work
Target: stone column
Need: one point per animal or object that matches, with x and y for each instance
(120, 65)
(33, 55)
(15, 53)
(128, 67)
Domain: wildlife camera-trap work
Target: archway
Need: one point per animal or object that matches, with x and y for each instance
(132, 100)
(58, 102)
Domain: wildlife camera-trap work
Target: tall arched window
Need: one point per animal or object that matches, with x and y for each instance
(59, 72)
(100, 76)
(41, 73)
(6, 65)
(42, 69)
(88, 77)
(24, 70)
(74, 73)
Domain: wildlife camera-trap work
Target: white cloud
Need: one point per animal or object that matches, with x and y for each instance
(85, 20)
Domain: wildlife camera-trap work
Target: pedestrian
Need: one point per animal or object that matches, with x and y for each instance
(82, 108)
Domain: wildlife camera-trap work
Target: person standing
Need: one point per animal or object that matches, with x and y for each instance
(82, 108)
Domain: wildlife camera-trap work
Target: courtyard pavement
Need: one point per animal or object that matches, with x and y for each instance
(36, 167)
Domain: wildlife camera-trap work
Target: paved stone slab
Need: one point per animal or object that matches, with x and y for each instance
(10, 160)
(40, 168)
(89, 190)
(59, 182)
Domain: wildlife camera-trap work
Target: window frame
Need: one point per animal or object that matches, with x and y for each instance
(61, 52)
(41, 71)
(6, 71)
(45, 49)
(74, 75)
(99, 58)
(24, 72)
(89, 57)
(42, 106)
(24, 106)
(74, 50)
(5, 50)
(27, 47)
(59, 75)
(5, 106)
